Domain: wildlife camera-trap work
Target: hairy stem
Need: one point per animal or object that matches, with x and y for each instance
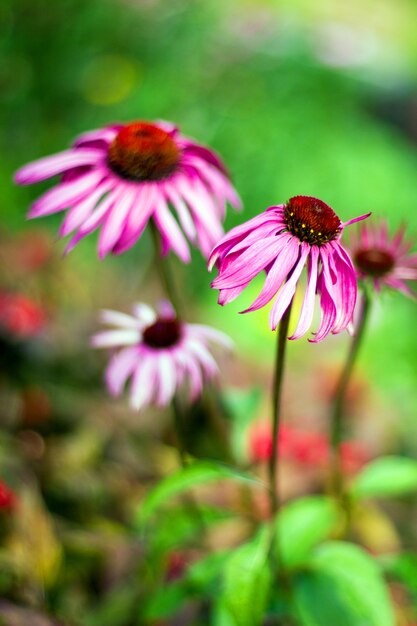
(276, 409)
(339, 398)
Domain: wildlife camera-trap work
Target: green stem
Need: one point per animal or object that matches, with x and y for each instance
(165, 273)
(179, 431)
(339, 398)
(276, 409)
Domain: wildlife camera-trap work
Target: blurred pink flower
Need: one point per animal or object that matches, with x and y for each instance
(20, 316)
(281, 240)
(383, 260)
(121, 176)
(159, 352)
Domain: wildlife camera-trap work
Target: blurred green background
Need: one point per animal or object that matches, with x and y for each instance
(315, 98)
(299, 97)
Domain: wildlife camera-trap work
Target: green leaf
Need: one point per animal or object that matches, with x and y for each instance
(181, 525)
(166, 601)
(343, 587)
(246, 584)
(387, 476)
(203, 573)
(402, 567)
(303, 524)
(116, 609)
(196, 474)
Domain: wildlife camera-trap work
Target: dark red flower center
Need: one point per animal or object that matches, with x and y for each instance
(311, 220)
(143, 151)
(164, 333)
(374, 262)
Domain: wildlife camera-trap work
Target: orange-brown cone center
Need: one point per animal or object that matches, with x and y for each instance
(143, 152)
(311, 220)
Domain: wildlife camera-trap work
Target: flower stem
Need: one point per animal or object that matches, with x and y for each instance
(179, 432)
(165, 273)
(339, 398)
(276, 409)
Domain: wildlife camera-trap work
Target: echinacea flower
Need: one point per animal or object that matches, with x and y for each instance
(281, 240)
(159, 352)
(119, 177)
(383, 260)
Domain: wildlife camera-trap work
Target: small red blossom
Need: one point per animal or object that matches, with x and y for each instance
(34, 250)
(307, 448)
(176, 566)
(20, 316)
(7, 497)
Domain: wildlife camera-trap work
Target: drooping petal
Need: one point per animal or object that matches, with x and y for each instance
(82, 210)
(233, 236)
(307, 309)
(145, 314)
(56, 164)
(287, 256)
(248, 264)
(211, 334)
(142, 208)
(182, 210)
(327, 302)
(115, 221)
(120, 368)
(166, 378)
(110, 338)
(65, 194)
(286, 294)
(143, 385)
(115, 318)
(170, 231)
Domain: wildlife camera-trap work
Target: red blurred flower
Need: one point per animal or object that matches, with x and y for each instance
(7, 497)
(34, 250)
(306, 448)
(20, 316)
(176, 566)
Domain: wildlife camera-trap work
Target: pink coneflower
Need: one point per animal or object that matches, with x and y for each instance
(121, 176)
(159, 352)
(281, 241)
(382, 260)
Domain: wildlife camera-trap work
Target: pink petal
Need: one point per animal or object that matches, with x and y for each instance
(287, 255)
(141, 211)
(56, 164)
(307, 309)
(65, 194)
(228, 295)
(143, 382)
(248, 264)
(166, 379)
(234, 236)
(115, 220)
(119, 369)
(182, 210)
(286, 294)
(170, 231)
(112, 338)
(82, 210)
